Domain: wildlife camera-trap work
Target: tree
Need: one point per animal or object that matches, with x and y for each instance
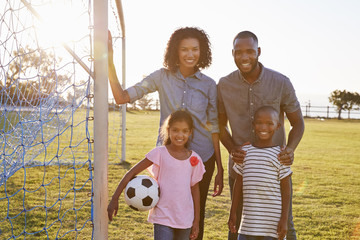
(31, 77)
(344, 100)
(145, 102)
(357, 100)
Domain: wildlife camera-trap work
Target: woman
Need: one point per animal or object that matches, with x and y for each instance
(181, 85)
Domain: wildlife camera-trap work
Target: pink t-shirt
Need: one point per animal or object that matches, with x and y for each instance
(175, 178)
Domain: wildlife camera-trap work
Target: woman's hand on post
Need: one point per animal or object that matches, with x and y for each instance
(110, 47)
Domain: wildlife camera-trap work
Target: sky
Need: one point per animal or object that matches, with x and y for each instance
(313, 42)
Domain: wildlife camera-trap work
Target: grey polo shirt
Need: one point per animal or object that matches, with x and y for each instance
(196, 93)
(239, 100)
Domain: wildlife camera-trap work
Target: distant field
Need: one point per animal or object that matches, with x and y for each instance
(326, 180)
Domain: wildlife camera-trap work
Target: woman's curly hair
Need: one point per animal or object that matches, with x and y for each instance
(171, 56)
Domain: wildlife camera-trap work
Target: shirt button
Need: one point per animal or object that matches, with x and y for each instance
(250, 89)
(184, 91)
(251, 104)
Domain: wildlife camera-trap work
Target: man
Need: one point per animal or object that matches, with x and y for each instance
(242, 92)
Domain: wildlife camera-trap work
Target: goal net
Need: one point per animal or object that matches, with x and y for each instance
(46, 119)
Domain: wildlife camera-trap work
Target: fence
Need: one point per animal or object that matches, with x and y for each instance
(328, 112)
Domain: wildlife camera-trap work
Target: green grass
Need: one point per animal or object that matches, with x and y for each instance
(326, 183)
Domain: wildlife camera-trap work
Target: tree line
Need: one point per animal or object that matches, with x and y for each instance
(28, 61)
(344, 100)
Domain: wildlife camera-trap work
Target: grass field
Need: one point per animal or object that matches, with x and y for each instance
(326, 183)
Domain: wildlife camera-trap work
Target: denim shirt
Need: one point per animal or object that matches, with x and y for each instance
(197, 94)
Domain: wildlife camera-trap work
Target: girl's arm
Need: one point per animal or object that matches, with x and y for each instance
(195, 192)
(114, 203)
(285, 206)
(236, 199)
(121, 96)
(219, 178)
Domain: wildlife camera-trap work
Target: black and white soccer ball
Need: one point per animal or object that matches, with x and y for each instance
(142, 193)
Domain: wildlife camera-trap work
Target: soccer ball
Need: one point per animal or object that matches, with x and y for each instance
(142, 193)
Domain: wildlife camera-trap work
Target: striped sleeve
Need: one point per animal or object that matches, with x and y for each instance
(238, 168)
(284, 171)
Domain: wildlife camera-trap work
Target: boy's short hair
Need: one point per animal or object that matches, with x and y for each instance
(266, 108)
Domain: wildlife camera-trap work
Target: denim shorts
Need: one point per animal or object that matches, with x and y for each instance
(248, 237)
(162, 232)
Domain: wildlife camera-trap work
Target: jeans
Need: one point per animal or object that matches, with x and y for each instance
(162, 232)
(291, 233)
(247, 237)
(204, 189)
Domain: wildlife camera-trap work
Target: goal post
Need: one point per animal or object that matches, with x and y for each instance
(100, 120)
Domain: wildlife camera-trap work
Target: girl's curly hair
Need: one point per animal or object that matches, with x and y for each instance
(171, 56)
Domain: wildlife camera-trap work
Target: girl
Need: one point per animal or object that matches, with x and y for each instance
(178, 171)
(181, 85)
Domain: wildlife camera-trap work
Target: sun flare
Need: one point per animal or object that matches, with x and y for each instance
(61, 22)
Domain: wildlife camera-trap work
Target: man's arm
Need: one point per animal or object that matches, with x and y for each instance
(121, 96)
(225, 136)
(296, 120)
(236, 152)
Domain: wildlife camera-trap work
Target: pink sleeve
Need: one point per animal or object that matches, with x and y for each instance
(198, 171)
(154, 156)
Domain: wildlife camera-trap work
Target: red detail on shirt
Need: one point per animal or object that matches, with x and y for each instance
(194, 161)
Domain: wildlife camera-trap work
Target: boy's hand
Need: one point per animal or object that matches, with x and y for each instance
(112, 208)
(194, 231)
(232, 223)
(282, 228)
(286, 156)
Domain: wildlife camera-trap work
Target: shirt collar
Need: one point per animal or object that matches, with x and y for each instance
(259, 78)
(196, 75)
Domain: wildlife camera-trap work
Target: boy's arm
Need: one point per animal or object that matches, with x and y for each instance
(236, 199)
(114, 203)
(286, 157)
(195, 192)
(219, 178)
(285, 206)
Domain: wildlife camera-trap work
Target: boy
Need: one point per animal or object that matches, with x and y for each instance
(262, 184)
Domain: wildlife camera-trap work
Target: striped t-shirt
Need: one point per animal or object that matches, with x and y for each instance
(261, 173)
